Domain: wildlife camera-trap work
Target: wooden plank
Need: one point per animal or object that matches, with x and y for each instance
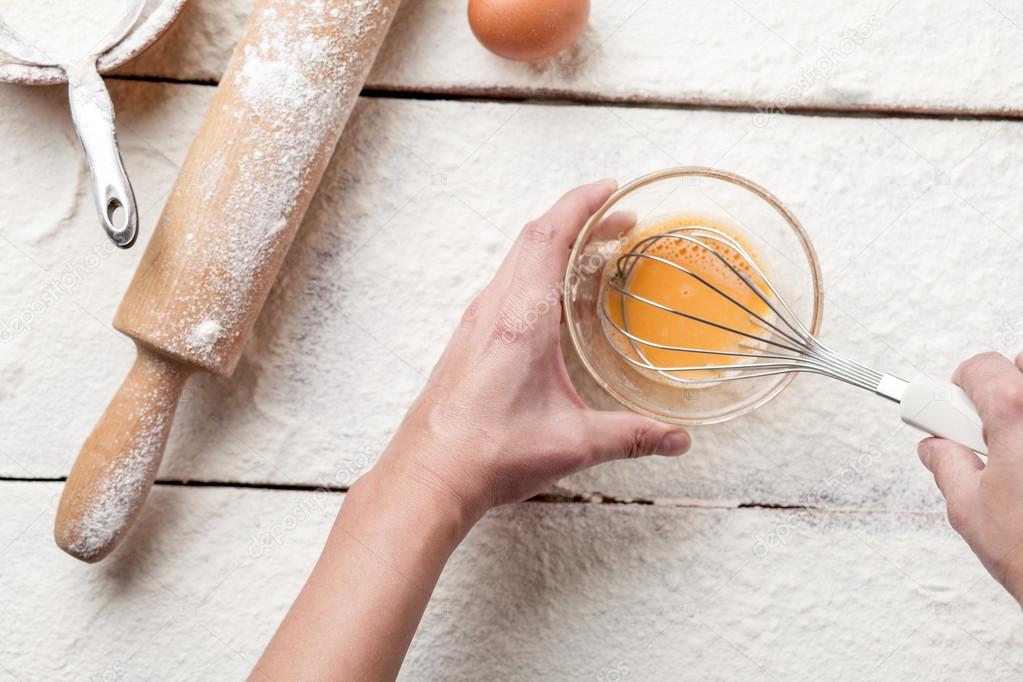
(603, 590)
(875, 55)
(914, 220)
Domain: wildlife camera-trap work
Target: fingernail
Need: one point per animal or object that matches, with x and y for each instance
(675, 443)
(924, 452)
(610, 183)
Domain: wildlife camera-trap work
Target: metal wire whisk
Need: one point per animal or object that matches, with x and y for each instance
(781, 343)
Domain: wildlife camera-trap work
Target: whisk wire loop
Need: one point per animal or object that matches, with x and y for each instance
(782, 346)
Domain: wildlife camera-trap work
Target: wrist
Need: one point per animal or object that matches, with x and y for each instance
(442, 457)
(406, 490)
(1012, 575)
(399, 514)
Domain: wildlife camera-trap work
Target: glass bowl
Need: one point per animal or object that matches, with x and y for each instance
(697, 196)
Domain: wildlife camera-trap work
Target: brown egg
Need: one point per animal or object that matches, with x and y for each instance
(525, 30)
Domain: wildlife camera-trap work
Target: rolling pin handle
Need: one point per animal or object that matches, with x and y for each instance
(118, 462)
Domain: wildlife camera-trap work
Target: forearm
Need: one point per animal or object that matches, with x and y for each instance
(357, 613)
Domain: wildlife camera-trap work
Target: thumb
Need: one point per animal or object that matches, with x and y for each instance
(956, 470)
(625, 435)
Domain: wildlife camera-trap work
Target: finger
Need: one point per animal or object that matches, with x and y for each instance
(529, 280)
(559, 226)
(1019, 362)
(975, 371)
(625, 435)
(541, 251)
(610, 228)
(614, 225)
(956, 471)
(995, 385)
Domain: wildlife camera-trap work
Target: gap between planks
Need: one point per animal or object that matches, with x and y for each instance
(563, 97)
(544, 498)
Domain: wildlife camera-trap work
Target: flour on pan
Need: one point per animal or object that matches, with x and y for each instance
(62, 28)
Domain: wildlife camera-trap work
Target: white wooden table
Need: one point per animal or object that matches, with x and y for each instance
(802, 542)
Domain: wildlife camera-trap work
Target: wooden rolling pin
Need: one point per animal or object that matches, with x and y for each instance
(234, 210)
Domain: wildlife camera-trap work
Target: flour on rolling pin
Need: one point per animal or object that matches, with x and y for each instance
(117, 496)
(291, 88)
(114, 502)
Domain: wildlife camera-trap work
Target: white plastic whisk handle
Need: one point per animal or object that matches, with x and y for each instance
(938, 407)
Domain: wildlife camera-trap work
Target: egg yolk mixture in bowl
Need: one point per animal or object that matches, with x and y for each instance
(614, 297)
(676, 274)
